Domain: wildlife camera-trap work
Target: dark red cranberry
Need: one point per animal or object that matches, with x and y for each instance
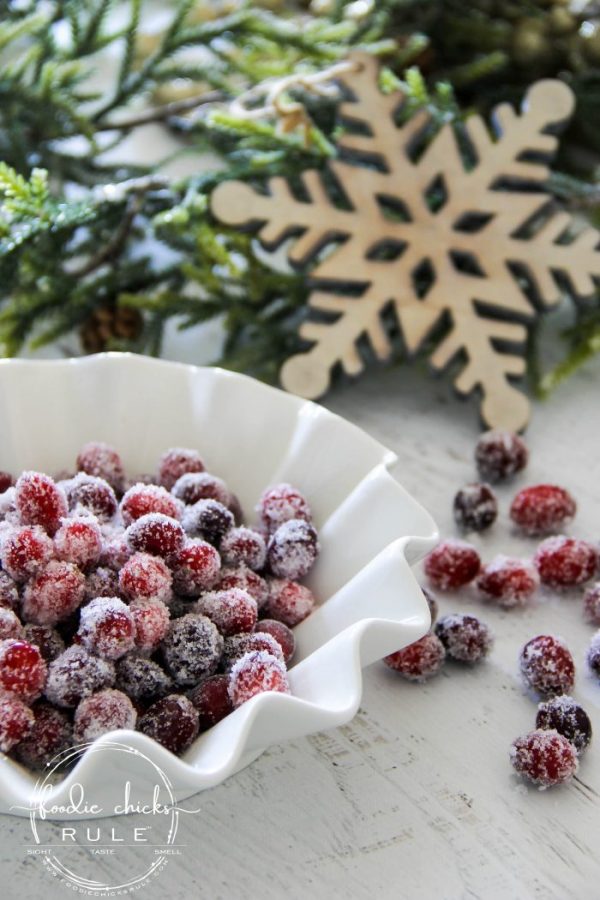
(420, 660)
(102, 461)
(475, 507)
(293, 549)
(544, 757)
(51, 734)
(90, 493)
(209, 520)
(211, 699)
(452, 564)
(542, 509)
(76, 674)
(238, 645)
(172, 721)
(282, 634)
(197, 486)
(499, 455)
(102, 582)
(565, 562)
(144, 680)
(192, 648)
(6, 481)
(46, 639)
(565, 715)
(547, 665)
(178, 461)
(466, 638)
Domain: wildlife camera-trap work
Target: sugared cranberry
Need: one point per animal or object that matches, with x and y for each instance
(102, 582)
(102, 461)
(25, 551)
(156, 534)
(6, 481)
(238, 645)
(178, 461)
(211, 699)
(116, 552)
(8, 504)
(544, 757)
(107, 627)
(591, 604)
(209, 520)
(500, 454)
(108, 710)
(79, 541)
(547, 665)
(466, 638)
(192, 648)
(142, 499)
(10, 624)
(195, 567)
(565, 715)
(255, 673)
(172, 721)
(247, 580)
(279, 504)
(151, 621)
(542, 509)
(200, 486)
(92, 494)
(243, 547)
(475, 507)
(16, 721)
(142, 679)
(564, 562)
(420, 660)
(282, 634)
(452, 564)
(22, 669)
(76, 674)
(293, 549)
(434, 607)
(39, 501)
(593, 654)
(54, 593)
(144, 577)
(508, 582)
(51, 734)
(9, 593)
(232, 611)
(46, 639)
(289, 602)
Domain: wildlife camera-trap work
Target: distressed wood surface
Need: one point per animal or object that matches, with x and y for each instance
(415, 797)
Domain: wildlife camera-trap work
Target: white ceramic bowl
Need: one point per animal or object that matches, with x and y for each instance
(252, 435)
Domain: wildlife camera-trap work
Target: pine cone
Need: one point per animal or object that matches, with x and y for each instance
(107, 323)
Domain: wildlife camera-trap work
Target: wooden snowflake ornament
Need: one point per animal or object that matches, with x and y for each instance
(476, 247)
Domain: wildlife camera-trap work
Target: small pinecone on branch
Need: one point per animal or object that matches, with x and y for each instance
(108, 323)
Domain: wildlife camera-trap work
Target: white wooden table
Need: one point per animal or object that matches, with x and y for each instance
(415, 798)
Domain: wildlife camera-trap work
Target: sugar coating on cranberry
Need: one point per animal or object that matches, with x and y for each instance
(593, 654)
(22, 669)
(244, 547)
(76, 674)
(102, 461)
(172, 721)
(16, 721)
(50, 735)
(475, 507)
(209, 520)
(85, 492)
(10, 624)
(106, 627)
(452, 564)
(211, 699)
(542, 509)
(142, 679)
(255, 673)
(145, 577)
(79, 541)
(233, 611)
(565, 562)
(151, 622)
(420, 660)
(544, 757)
(244, 578)
(289, 602)
(195, 566)
(9, 593)
(8, 505)
(105, 711)
(55, 593)
(565, 715)
(6, 481)
(195, 486)
(178, 461)
(25, 551)
(508, 582)
(591, 604)
(466, 638)
(116, 552)
(102, 582)
(142, 499)
(46, 639)
(499, 455)
(156, 534)
(192, 648)
(239, 644)
(282, 634)
(39, 501)
(279, 504)
(293, 549)
(547, 665)
(434, 607)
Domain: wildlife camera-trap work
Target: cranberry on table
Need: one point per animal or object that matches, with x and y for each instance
(279, 504)
(542, 509)
(565, 715)
(102, 461)
(172, 721)
(209, 520)
(547, 665)
(282, 634)
(55, 593)
(289, 602)
(544, 757)
(565, 562)
(244, 578)
(232, 611)
(142, 499)
(151, 623)
(475, 507)
(79, 541)
(499, 455)
(156, 534)
(92, 494)
(107, 627)
(255, 673)
(178, 461)
(293, 549)
(192, 648)
(46, 639)
(144, 576)
(466, 638)
(16, 721)
(593, 654)
(452, 564)
(50, 735)
(22, 669)
(76, 674)
(238, 645)
(193, 487)
(25, 551)
(591, 604)
(508, 582)
(195, 567)
(211, 699)
(105, 711)
(6, 481)
(420, 660)
(243, 547)
(144, 680)
(39, 501)
(10, 624)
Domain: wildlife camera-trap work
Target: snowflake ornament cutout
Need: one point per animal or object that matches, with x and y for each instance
(474, 252)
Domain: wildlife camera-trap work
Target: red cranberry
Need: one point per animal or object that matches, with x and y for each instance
(232, 611)
(102, 461)
(542, 509)
(565, 562)
(25, 551)
(565, 715)
(172, 721)
(50, 735)
(420, 660)
(6, 481)
(108, 710)
(79, 541)
(279, 504)
(452, 564)
(76, 674)
(151, 621)
(197, 486)
(293, 549)
(195, 567)
(282, 634)
(102, 582)
(466, 638)
(434, 607)
(255, 673)
(209, 520)
(475, 507)
(247, 580)
(142, 679)
(289, 602)
(156, 534)
(107, 627)
(92, 494)
(54, 594)
(9, 593)
(238, 645)
(10, 624)
(176, 462)
(16, 721)
(211, 699)
(39, 501)
(547, 665)
(593, 654)
(142, 499)
(22, 669)
(46, 639)
(243, 547)
(500, 454)
(192, 648)
(544, 757)
(508, 582)
(591, 604)
(144, 577)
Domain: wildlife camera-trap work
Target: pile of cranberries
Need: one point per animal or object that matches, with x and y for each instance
(142, 604)
(549, 754)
